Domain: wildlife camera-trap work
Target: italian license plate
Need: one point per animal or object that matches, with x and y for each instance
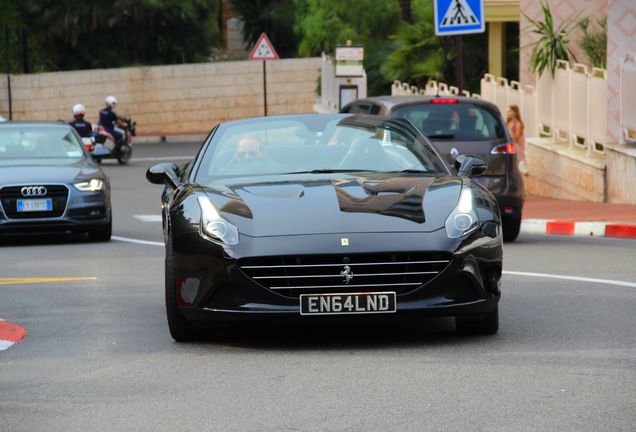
(35, 205)
(347, 303)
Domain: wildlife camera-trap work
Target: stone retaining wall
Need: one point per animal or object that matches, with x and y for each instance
(621, 174)
(558, 172)
(169, 100)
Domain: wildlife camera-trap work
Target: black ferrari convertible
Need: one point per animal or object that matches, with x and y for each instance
(327, 218)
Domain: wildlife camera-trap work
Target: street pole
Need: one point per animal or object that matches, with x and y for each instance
(459, 64)
(264, 89)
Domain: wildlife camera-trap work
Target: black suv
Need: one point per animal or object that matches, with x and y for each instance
(460, 125)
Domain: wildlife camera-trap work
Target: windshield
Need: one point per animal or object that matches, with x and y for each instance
(39, 143)
(314, 143)
(453, 122)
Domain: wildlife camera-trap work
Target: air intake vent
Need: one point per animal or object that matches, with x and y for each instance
(10, 195)
(295, 275)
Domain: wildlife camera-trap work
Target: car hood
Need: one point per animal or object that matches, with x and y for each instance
(288, 205)
(46, 171)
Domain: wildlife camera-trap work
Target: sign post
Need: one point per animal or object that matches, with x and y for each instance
(264, 50)
(349, 64)
(349, 61)
(458, 17)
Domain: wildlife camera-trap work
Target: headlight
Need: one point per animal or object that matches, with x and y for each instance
(92, 185)
(463, 220)
(214, 227)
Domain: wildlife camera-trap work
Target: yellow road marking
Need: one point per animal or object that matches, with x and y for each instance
(32, 280)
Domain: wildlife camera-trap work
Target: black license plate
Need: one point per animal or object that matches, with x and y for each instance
(347, 303)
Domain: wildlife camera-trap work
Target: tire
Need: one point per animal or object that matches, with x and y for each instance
(101, 234)
(486, 325)
(180, 329)
(124, 157)
(511, 228)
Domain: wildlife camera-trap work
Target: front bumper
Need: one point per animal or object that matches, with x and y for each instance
(469, 284)
(84, 211)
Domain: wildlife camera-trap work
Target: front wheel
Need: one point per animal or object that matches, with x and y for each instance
(125, 152)
(180, 329)
(488, 324)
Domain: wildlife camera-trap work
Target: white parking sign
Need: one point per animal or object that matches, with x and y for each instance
(456, 17)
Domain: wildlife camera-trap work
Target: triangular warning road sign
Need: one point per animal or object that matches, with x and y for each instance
(263, 50)
(458, 14)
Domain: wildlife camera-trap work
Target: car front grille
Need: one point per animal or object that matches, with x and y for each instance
(313, 274)
(10, 195)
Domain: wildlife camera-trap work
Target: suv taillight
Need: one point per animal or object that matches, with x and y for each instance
(509, 148)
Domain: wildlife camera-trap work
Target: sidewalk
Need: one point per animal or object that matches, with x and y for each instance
(579, 218)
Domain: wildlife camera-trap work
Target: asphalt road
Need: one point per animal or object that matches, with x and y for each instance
(98, 356)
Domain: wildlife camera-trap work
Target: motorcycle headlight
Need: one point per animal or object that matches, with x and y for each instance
(214, 227)
(92, 185)
(463, 219)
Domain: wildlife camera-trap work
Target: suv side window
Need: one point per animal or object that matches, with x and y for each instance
(375, 109)
(360, 108)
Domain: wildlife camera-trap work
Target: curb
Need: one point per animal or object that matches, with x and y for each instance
(578, 229)
(10, 333)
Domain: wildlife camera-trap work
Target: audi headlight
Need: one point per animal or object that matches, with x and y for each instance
(463, 219)
(214, 227)
(92, 185)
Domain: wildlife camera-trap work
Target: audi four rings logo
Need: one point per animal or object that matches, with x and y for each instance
(33, 191)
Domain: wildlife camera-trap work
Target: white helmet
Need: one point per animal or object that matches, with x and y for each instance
(78, 109)
(110, 101)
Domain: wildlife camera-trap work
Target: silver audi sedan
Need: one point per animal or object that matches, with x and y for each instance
(50, 182)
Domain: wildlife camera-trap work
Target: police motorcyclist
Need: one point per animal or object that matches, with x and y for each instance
(83, 127)
(109, 120)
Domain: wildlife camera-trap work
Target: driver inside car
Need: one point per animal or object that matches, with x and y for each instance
(250, 154)
(249, 148)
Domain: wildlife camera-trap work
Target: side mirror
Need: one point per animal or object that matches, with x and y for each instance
(164, 173)
(470, 166)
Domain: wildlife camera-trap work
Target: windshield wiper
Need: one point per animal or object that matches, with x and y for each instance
(329, 171)
(441, 136)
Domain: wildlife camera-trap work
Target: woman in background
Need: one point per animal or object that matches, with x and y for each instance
(516, 127)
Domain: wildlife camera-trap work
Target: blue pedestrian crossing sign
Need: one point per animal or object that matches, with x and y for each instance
(456, 17)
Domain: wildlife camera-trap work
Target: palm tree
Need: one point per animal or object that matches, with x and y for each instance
(552, 43)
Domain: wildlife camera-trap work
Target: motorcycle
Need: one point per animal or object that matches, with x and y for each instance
(106, 147)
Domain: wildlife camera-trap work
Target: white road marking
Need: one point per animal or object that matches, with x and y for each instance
(5, 344)
(137, 241)
(508, 272)
(161, 158)
(148, 217)
(573, 278)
